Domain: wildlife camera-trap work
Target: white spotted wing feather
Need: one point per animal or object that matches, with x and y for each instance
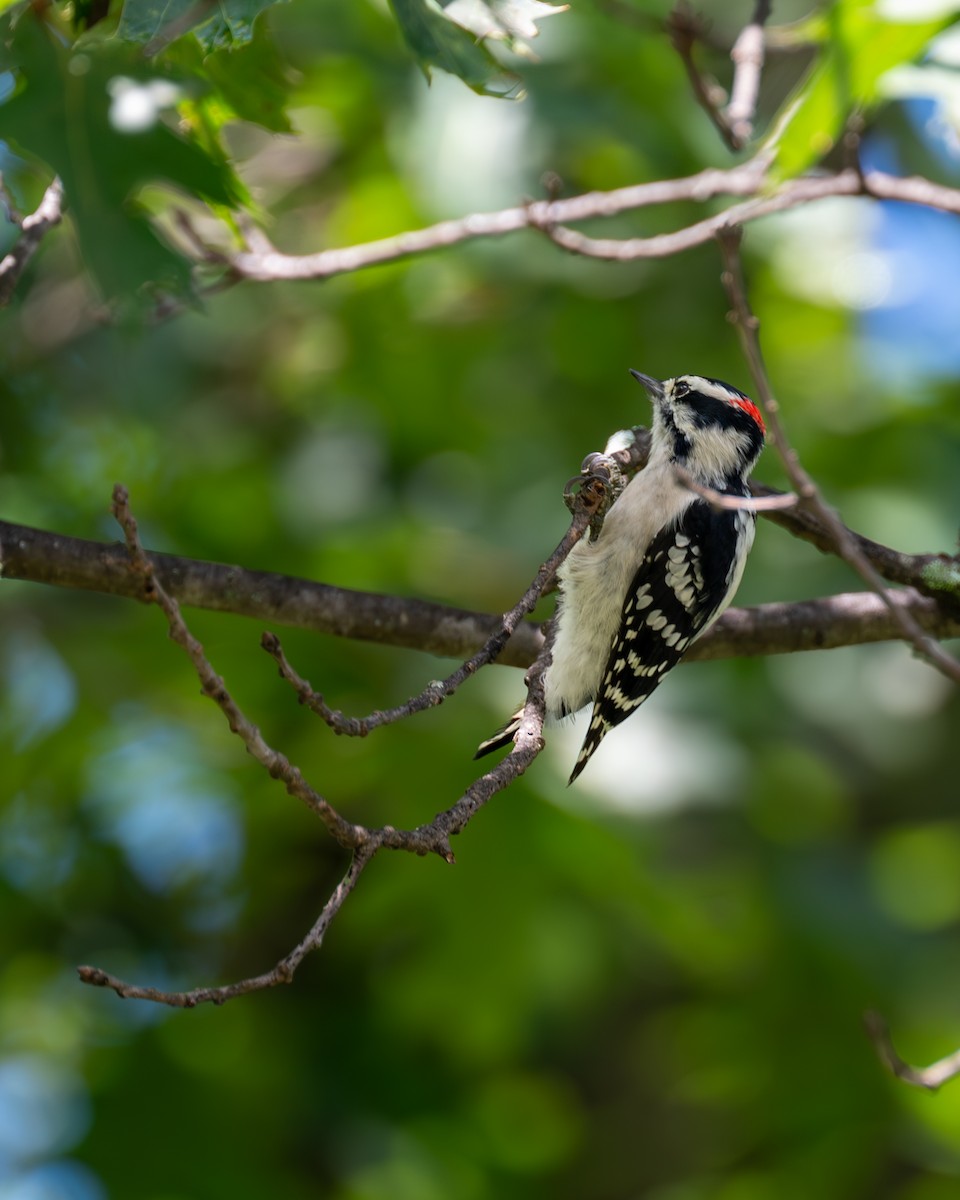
(686, 578)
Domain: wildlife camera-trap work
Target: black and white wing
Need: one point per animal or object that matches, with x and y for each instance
(686, 579)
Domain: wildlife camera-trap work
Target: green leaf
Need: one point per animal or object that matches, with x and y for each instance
(451, 36)
(438, 42)
(87, 115)
(216, 24)
(252, 81)
(861, 46)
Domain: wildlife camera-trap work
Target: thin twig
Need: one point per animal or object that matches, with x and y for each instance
(724, 501)
(662, 245)
(528, 742)
(283, 972)
(49, 212)
(931, 1078)
(684, 34)
(254, 238)
(188, 230)
(933, 575)
(438, 690)
(747, 55)
(211, 685)
(168, 306)
(847, 546)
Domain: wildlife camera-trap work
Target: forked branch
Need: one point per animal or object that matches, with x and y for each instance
(749, 182)
(843, 540)
(733, 120)
(433, 837)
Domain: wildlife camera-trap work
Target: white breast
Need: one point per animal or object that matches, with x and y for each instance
(594, 581)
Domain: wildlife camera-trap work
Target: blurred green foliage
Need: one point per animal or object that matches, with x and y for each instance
(650, 985)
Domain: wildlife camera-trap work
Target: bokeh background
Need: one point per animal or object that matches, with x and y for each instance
(648, 985)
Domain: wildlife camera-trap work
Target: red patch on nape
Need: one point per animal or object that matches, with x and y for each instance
(748, 406)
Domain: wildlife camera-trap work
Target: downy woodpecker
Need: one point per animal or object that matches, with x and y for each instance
(665, 564)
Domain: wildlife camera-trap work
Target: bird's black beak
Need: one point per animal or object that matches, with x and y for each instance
(654, 386)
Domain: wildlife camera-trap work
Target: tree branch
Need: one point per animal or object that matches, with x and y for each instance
(30, 554)
(49, 212)
(735, 122)
(264, 263)
(212, 686)
(828, 623)
(722, 501)
(846, 544)
(931, 1078)
(684, 31)
(747, 55)
(283, 972)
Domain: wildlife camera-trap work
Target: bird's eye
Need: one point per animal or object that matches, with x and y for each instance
(680, 389)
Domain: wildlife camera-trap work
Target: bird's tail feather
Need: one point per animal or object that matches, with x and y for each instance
(502, 738)
(599, 728)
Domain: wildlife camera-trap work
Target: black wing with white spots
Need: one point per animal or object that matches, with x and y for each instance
(683, 581)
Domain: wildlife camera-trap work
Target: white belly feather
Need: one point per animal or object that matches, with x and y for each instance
(594, 581)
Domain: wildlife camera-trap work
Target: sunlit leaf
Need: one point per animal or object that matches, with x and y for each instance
(862, 45)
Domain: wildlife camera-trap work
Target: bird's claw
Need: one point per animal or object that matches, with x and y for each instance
(599, 483)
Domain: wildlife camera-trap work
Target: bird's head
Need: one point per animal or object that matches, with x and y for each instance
(709, 427)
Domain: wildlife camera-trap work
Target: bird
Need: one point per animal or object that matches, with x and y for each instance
(665, 564)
